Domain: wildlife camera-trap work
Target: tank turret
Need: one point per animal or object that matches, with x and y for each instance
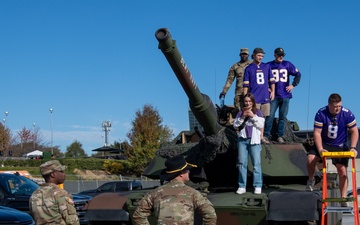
(216, 151)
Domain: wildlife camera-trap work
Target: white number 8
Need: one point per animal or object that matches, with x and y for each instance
(260, 78)
(332, 131)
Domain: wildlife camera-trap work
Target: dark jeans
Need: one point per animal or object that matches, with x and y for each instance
(283, 105)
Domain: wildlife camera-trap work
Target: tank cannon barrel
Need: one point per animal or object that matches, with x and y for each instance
(200, 104)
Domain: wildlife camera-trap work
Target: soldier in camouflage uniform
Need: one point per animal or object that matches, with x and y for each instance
(49, 204)
(174, 202)
(237, 71)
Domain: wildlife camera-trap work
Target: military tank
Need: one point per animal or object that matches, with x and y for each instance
(214, 150)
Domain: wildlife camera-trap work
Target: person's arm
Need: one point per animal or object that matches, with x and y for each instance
(230, 79)
(246, 90)
(246, 80)
(205, 208)
(354, 132)
(143, 211)
(239, 119)
(318, 140)
(272, 93)
(258, 122)
(67, 209)
(295, 82)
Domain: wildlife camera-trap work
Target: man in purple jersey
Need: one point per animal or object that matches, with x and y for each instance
(331, 127)
(259, 81)
(281, 71)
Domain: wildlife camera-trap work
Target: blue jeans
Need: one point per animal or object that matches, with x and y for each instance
(245, 149)
(283, 105)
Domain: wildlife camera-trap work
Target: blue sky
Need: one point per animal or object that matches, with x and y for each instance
(93, 61)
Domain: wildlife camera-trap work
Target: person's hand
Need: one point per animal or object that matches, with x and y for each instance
(322, 150)
(247, 112)
(222, 94)
(354, 150)
(289, 88)
(272, 96)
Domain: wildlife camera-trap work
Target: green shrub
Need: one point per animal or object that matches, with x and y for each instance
(117, 167)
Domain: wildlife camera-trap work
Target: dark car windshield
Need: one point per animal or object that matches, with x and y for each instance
(18, 185)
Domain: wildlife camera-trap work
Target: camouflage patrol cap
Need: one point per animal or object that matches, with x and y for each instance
(51, 166)
(174, 166)
(258, 50)
(244, 51)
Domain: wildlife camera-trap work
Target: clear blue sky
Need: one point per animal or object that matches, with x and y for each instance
(98, 60)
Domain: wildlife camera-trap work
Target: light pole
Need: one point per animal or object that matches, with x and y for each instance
(5, 127)
(51, 130)
(6, 114)
(34, 137)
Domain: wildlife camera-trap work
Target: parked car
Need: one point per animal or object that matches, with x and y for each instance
(15, 192)
(113, 186)
(13, 216)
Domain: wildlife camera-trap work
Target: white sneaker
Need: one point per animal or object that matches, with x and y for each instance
(310, 185)
(257, 190)
(264, 140)
(240, 191)
(281, 140)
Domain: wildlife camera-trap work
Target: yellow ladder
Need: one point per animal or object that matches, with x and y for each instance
(325, 208)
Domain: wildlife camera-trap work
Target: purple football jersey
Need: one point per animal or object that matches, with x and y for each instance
(334, 128)
(281, 72)
(257, 79)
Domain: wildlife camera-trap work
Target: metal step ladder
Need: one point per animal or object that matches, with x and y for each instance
(325, 208)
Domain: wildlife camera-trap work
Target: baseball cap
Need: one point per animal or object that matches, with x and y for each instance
(279, 51)
(51, 166)
(244, 51)
(258, 50)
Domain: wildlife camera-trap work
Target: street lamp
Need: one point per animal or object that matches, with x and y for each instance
(6, 114)
(5, 127)
(51, 130)
(34, 138)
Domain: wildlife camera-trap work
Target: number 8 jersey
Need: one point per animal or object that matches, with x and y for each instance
(334, 128)
(258, 79)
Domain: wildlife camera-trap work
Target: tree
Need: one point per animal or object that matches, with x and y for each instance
(28, 140)
(146, 136)
(75, 150)
(5, 139)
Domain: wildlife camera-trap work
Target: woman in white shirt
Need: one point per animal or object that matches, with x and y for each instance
(248, 124)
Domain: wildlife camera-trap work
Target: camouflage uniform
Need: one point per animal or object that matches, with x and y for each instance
(174, 203)
(236, 71)
(51, 205)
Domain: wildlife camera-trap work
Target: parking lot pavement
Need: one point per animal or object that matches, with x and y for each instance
(347, 219)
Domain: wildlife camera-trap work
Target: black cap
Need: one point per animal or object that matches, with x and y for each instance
(279, 51)
(258, 50)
